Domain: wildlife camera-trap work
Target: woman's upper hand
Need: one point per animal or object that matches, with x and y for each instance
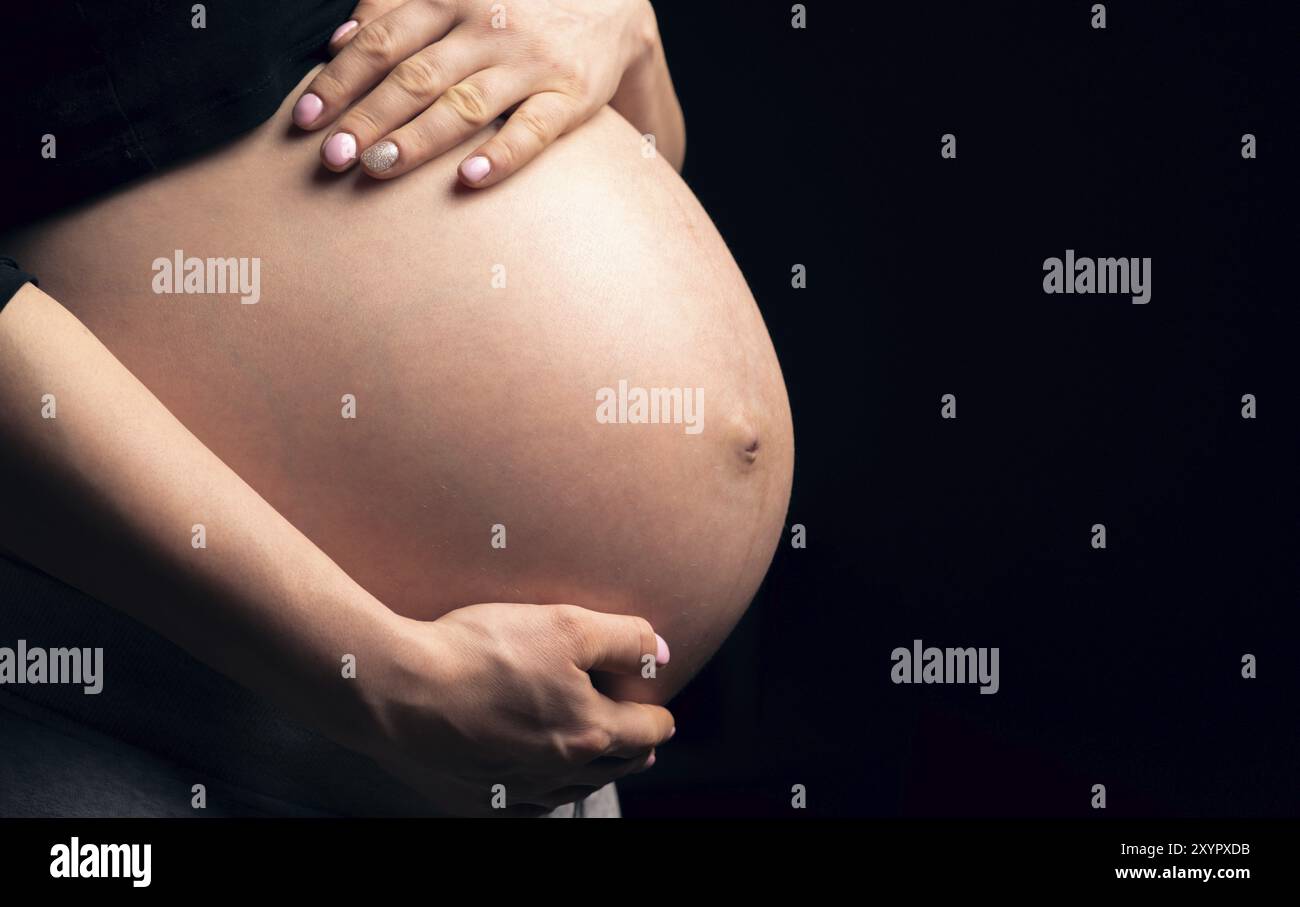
(414, 78)
(499, 694)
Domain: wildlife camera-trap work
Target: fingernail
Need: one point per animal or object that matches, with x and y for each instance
(379, 157)
(475, 170)
(307, 109)
(661, 656)
(343, 30)
(671, 732)
(340, 149)
(651, 761)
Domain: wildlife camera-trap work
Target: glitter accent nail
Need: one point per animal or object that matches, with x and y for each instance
(379, 157)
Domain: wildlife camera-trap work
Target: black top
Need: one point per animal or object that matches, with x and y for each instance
(11, 278)
(127, 87)
(100, 92)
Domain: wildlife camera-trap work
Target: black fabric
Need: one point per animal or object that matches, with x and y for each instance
(125, 88)
(158, 698)
(120, 88)
(11, 278)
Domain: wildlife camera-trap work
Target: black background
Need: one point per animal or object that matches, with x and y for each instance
(1119, 666)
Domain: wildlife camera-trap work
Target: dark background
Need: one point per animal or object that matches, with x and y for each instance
(1119, 666)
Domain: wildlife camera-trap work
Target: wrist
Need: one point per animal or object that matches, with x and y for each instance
(406, 671)
(646, 97)
(644, 43)
(354, 686)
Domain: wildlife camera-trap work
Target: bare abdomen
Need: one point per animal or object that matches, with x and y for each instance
(474, 332)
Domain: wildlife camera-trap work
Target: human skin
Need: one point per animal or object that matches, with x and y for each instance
(413, 78)
(475, 404)
(102, 486)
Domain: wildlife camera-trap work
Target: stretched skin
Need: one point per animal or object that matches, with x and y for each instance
(475, 402)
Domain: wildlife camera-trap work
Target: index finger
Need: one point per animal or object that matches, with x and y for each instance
(635, 726)
(370, 53)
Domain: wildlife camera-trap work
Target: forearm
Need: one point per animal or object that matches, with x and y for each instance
(106, 494)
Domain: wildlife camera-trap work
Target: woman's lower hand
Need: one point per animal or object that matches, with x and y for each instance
(489, 710)
(421, 76)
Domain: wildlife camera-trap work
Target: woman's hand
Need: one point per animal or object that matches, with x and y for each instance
(488, 694)
(437, 71)
(498, 694)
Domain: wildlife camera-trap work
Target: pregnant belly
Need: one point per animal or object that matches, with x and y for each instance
(556, 390)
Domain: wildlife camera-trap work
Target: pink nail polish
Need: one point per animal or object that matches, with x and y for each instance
(343, 30)
(341, 149)
(651, 761)
(307, 109)
(475, 170)
(661, 656)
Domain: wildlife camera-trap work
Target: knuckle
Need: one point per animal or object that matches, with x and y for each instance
(569, 72)
(360, 121)
(576, 78)
(557, 749)
(536, 125)
(568, 622)
(643, 629)
(417, 77)
(416, 134)
(469, 102)
(589, 744)
(536, 47)
(327, 85)
(505, 154)
(645, 635)
(377, 42)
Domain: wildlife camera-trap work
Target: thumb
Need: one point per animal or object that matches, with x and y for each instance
(617, 643)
